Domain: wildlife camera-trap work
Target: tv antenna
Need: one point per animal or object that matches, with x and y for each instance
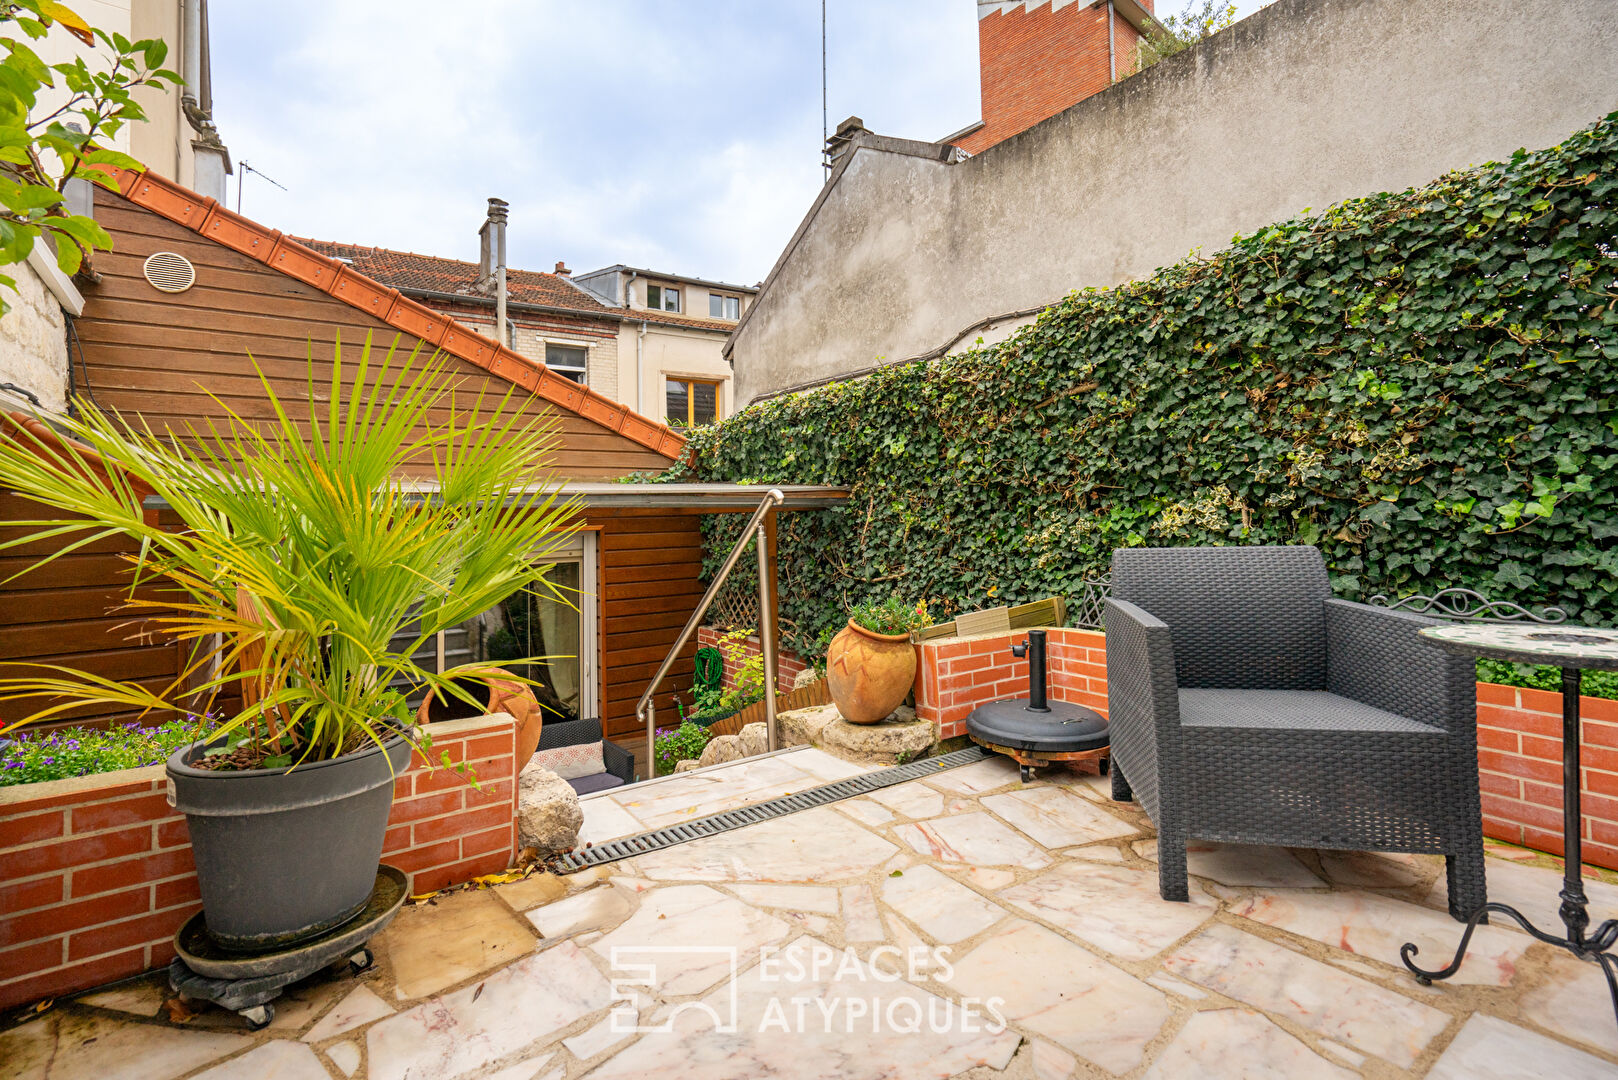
(245, 169)
(825, 131)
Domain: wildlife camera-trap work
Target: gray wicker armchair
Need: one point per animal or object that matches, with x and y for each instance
(1248, 706)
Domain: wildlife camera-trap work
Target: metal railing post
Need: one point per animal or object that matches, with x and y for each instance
(766, 637)
(645, 709)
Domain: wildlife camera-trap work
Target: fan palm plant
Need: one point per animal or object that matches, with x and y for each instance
(308, 569)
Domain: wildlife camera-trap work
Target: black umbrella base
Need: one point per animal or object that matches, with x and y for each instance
(1066, 733)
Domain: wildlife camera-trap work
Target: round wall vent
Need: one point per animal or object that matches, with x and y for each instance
(169, 272)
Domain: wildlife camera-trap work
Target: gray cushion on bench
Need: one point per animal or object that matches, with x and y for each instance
(584, 785)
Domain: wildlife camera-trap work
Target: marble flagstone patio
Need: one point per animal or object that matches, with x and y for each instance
(964, 924)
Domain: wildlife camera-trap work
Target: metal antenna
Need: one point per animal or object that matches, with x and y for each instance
(825, 131)
(246, 168)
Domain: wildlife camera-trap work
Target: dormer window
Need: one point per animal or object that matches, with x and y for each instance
(724, 307)
(662, 298)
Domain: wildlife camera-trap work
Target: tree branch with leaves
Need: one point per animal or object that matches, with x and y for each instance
(44, 147)
(1200, 20)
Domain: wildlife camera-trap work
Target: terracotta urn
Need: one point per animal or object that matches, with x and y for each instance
(869, 673)
(495, 694)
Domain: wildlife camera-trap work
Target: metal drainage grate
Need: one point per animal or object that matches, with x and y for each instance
(630, 846)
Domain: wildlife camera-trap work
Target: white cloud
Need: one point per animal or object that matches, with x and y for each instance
(683, 136)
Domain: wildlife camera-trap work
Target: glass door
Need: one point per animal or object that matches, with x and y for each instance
(553, 621)
(546, 620)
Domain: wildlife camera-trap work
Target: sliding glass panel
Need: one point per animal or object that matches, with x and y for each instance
(676, 403)
(704, 402)
(534, 623)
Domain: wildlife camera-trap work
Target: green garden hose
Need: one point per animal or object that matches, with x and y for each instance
(710, 669)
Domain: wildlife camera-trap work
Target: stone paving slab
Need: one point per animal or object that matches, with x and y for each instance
(962, 925)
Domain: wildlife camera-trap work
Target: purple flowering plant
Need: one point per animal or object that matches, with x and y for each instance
(30, 757)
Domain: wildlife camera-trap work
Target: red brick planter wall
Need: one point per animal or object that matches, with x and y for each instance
(1520, 770)
(1519, 732)
(96, 872)
(956, 675)
(787, 667)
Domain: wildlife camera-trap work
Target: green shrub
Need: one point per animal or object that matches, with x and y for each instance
(33, 757)
(1421, 383)
(674, 745)
(892, 616)
(1601, 684)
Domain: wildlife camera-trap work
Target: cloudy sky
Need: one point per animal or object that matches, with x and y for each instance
(681, 135)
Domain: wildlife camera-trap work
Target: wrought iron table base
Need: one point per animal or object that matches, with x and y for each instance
(1593, 947)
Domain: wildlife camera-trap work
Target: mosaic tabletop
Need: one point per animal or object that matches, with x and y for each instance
(1564, 646)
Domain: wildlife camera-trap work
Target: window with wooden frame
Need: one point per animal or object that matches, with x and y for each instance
(691, 402)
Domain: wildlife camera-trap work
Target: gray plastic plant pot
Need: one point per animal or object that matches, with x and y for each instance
(284, 855)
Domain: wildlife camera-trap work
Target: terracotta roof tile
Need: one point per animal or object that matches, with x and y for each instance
(669, 318)
(407, 270)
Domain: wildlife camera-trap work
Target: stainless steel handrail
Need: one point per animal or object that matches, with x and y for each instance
(645, 709)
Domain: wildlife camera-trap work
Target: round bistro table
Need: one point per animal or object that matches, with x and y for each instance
(1573, 649)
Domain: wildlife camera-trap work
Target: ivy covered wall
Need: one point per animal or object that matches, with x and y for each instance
(1423, 383)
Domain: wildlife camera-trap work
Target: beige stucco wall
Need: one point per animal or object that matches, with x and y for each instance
(693, 298)
(163, 142)
(33, 342)
(1303, 104)
(670, 351)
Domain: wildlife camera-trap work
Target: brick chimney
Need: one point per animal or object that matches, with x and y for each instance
(562, 270)
(1038, 57)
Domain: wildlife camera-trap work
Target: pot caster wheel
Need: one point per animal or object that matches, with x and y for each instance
(1025, 773)
(258, 1017)
(361, 961)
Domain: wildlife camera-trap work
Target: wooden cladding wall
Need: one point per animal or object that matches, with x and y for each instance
(66, 613)
(159, 356)
(650, 566)
(162, 354)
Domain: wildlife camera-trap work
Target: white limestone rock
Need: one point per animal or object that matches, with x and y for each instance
(548, 813)
(721, 749)
(755, 739)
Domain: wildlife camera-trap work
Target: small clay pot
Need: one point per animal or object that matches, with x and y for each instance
(496, 695)
(868, 673)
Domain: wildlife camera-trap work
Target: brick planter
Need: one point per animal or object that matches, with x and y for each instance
(956, 675)
(1519, 732)
(96, 872)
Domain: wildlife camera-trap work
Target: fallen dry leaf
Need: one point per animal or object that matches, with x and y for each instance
(179, 1011)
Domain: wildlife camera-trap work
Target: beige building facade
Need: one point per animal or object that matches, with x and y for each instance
(670, 356)
(178, 140)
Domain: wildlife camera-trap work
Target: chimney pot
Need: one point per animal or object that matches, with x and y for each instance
(561, 268)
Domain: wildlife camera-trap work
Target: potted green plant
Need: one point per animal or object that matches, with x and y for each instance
(306, 573)
(871, 664)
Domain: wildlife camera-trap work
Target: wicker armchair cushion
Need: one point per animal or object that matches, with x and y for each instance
(1248, 618)
(1291, 710)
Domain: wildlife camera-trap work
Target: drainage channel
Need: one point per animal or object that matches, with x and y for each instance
(629, 846)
